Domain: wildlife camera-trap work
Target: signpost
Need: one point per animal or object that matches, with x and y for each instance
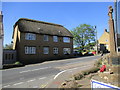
(97, 84)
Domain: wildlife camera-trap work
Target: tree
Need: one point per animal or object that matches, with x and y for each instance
(8, 46)
(83, 35)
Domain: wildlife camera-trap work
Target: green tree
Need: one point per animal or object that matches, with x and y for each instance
(8, 46)
(83, 35)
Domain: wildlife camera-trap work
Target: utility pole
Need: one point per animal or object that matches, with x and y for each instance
(96, 40)
(1, 39)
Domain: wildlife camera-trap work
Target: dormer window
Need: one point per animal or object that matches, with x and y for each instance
(30, 36)
(66, 39)
(45, 37)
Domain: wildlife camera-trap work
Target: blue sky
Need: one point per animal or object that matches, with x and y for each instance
(68, 14)
(119, 17)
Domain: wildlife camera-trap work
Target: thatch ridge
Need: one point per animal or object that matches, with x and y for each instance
(38, 21)
(40, 27)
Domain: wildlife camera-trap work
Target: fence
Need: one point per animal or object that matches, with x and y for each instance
(9, 56)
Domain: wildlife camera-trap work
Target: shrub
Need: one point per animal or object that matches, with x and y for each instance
(78, 76)
(86, 72)
(94, 70)
(18, 63)
(98, 63)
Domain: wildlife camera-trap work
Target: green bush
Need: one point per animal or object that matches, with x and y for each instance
(17, 63)
(78, 76)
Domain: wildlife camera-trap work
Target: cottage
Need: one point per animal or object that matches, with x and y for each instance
(104, 41)
(37, 41)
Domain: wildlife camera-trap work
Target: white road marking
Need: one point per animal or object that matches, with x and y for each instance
(31, 80)
(25, 71)
(59, 74)
(21, 78)
(34, 69)
(6, 86)
(69, 70)
(35, 87)
(42, 78)
(18, 83)
(73, 63)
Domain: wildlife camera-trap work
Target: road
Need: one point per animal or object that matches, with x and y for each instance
(39, 75)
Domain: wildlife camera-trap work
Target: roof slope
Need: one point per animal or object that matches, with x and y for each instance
(104, 39)
(40, 27)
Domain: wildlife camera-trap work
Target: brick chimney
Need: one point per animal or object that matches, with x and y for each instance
(105, 30)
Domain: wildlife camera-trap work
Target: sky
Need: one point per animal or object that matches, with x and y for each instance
(119, 17)
(68, 14)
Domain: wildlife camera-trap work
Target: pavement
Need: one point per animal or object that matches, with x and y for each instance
(68, 73)
(48, 74)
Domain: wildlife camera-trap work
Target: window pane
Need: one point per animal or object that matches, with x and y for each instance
(30, 50)
(45, 37)
(46, 50)
(66, 39)
(55, 38)
(30, 36)
(55, 50)
(66, 51)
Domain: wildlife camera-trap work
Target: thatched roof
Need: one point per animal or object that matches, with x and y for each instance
(40, 27)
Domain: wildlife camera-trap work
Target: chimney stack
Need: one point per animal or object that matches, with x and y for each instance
(105, 30)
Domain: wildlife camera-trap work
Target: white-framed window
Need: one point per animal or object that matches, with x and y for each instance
(45, 37)
(30, 36)
(55, 50)
(66, 39)
(30, 50)
(55, 38)
(46, 50)
(66, 51)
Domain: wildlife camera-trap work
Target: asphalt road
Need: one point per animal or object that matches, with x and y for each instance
(39, 75)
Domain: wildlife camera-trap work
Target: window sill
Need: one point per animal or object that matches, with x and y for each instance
(30, 54)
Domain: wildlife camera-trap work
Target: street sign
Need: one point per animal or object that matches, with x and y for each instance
(102, 86)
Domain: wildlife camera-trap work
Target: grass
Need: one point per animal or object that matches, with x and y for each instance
(86, 72)
(80, 85)
(98, 63)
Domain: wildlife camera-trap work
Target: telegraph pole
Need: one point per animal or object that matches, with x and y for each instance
(96, 40)
(1, 39)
